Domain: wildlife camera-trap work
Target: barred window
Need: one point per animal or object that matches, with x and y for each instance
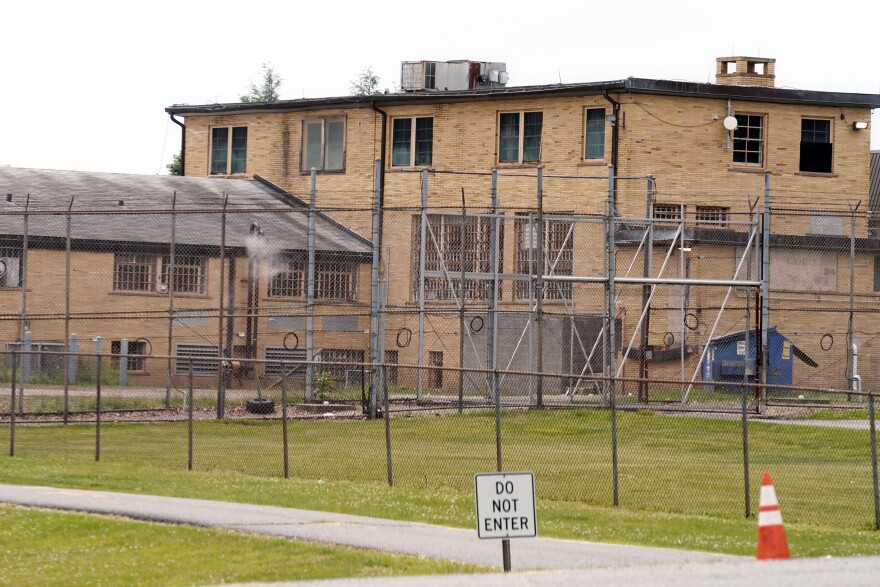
(667, 212)
(334, 280)
(558, 255)
(135, 347)
(290, 282)
(149, 273)
(134, 272)
(189, 274)
(718, 215)
(342, 373)
(451, 251)
(519, 137)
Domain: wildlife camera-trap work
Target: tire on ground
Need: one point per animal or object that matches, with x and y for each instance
(260, 405)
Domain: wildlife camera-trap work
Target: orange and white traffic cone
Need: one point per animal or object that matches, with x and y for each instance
(771, 535)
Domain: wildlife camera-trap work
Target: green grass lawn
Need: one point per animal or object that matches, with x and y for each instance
(52, 548)
(680, 478)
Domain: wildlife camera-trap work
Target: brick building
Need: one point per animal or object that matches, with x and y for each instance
(708, 147)
(139, 273)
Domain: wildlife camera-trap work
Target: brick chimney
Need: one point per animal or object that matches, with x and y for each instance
(745, 71)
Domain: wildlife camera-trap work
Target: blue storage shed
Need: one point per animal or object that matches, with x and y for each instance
(730, 355)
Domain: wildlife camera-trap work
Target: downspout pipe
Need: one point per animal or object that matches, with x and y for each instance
(615, 127)
(383, 140)
(182, 143)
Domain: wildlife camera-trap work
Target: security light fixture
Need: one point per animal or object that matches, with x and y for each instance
(860, 125)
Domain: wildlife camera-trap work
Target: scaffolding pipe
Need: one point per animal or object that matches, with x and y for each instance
(765, 296)
(718, 318)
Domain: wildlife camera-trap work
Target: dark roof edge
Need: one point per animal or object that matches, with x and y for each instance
(286, 197)
(629, 85)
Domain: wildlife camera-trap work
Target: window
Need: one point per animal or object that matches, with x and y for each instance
(10, 268)
(228, 156)
(189, 274)
(412, 142)
(333, 280)
(149, 273)
(135, 347)
(341, 372)
(558, 256)
(667, 212)
(451, 251)
(519, 137)
(816, 148)
(595, 134)
(323, 144)
(748, 140)
(717, 215)
(430, 76)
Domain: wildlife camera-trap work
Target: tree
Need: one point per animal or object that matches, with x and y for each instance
(267, 91)
(365, 84)
(176, 165)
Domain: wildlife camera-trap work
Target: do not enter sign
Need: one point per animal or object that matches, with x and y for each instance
(505, 505)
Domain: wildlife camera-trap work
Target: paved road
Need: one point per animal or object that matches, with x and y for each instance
(548, 561)
(360, 532)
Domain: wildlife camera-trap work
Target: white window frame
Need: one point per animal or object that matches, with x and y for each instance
(587, 132)
(229, 139)
(324, 120)
(521, 137)
(412, 141)
(762, 154)
(158, 277)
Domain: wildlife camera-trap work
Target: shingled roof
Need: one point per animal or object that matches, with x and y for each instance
(128, 208)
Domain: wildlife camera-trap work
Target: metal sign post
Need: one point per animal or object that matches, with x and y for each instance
(505, 508)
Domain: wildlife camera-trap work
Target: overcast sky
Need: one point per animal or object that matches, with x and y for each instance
(83, 85)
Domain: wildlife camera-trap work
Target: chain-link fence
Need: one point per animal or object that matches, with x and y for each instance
(635, 344)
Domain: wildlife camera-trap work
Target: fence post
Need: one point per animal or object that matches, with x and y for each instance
(387, 417)
(123, 362)
(24, 267)
(492, 309)
(646, 293)
(73, 367)
(284, 420)
(423, 238)
(67, 349)
(12, 407)
(873, 423)
(221, 379)
(310, 289)
(612, 347)
(745, 443)
(374, 284)
(170, 292)
(98, 407)
(539, 287)
(189, 419)
(850, 341)
(26, 363)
